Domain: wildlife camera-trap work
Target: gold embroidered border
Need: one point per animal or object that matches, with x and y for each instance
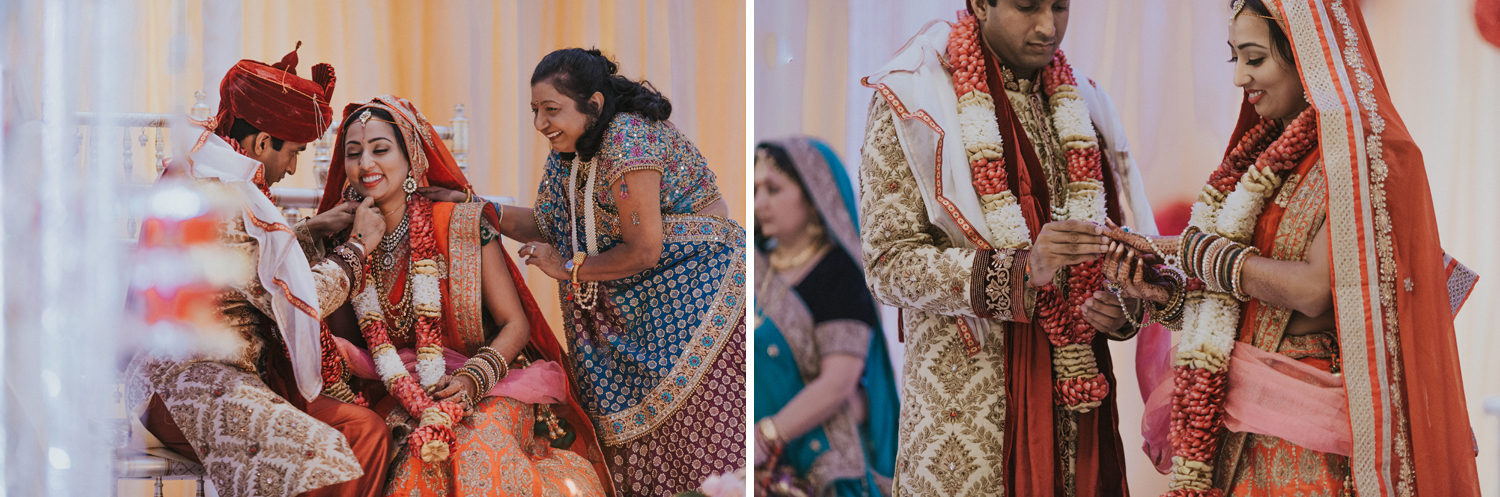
(1359, 232)
(465, 284)
(842, 336)
(707, 342)
(1306, 212)
(1378, 172)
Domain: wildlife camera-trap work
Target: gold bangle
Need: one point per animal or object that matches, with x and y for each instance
(578, 258)
(1239, 267)
(768, 431)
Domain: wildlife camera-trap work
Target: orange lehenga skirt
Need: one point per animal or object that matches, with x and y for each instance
(496, 454)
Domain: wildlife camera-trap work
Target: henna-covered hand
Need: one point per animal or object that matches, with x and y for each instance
(1136, 278)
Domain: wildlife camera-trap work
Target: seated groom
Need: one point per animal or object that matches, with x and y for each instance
(261, 417)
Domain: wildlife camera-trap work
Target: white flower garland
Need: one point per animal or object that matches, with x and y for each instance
(1070, 119)
(981, 137)
(428, 298)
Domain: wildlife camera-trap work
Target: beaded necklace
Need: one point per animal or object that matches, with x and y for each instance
(584, 293)
(394, 248)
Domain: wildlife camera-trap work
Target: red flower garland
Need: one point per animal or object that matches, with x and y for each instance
(1063, 318)
(969, 76)
(405, 387)
(1198, 394)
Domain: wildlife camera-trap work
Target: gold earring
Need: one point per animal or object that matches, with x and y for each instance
(352, 195)
(409, 186)
(815, 228)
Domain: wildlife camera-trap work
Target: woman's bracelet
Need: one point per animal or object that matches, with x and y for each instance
(502, 367)
(479, 389)
(769, 433)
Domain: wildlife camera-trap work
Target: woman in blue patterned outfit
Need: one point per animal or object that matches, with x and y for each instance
(629, 218)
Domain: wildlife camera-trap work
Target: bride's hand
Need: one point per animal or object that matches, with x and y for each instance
(546, 258)
(1124, 267)
(456, 389)
(440, 194)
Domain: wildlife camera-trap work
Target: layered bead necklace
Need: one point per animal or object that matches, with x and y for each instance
(434, 434)
(1078, 384)
(1229, 206)
(584, 293)
(393, 249)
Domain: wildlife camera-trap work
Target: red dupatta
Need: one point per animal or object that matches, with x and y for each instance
(1395, 319)
(1032, 459)
(433, 165)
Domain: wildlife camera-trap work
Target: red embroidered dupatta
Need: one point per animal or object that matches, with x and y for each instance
(1391, 298)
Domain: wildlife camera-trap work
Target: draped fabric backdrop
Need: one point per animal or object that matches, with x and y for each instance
(478, 53)
(61, 285)
(1163, 62)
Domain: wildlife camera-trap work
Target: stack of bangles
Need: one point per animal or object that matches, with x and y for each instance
(1216, 260)
(485, 369)
(1169, 313)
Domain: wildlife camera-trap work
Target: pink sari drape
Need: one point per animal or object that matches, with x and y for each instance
(1270, 394)
(543, 382)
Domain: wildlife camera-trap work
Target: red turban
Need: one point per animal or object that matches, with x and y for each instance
(275, 100)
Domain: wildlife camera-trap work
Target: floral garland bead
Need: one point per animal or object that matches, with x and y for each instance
(1070, 333)
(1078, 383)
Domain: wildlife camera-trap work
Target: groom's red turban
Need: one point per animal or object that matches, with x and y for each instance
(275, 100)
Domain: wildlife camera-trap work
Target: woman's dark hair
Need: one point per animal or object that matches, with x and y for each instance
(783, 162)
(383, 115)
(579, 73)
(1279, 41)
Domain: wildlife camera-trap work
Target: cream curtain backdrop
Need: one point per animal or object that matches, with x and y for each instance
(478, 53)
(1163, 62)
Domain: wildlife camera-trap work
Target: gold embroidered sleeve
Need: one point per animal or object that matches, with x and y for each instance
(329, 277)
(311, 247)
(843, 336)
(909, 263)
(998, 285)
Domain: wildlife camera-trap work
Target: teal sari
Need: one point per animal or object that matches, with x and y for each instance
(829, 311)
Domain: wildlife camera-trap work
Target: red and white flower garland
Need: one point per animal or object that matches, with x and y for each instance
(1079, 386)
(434, 433)
(981, 138)
(1211, 319)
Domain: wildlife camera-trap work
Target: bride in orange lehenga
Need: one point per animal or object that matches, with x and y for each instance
(465, 368)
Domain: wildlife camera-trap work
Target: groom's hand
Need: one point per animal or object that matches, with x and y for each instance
(1105, 312)
(331, 221)
(1064, 243)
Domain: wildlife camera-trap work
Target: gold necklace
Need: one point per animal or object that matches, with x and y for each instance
(781, 262)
